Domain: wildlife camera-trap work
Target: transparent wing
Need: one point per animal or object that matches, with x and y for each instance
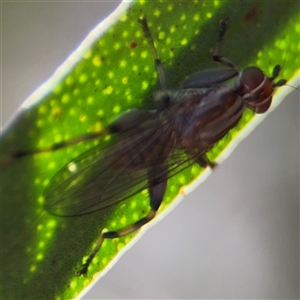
(104, 176)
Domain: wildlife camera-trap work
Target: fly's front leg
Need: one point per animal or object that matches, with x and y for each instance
(217, 51)
(165, 98)
(157, 181)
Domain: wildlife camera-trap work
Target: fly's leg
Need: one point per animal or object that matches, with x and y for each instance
(217, 51)
(275, 74)
(124, 123)
(131, 120)
(56, 146)
(204, 162)
(165, 98)
(157, 181)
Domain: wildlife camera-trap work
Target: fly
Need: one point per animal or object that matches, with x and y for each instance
(146, 148)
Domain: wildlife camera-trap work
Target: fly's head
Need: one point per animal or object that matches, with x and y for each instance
(256, 88)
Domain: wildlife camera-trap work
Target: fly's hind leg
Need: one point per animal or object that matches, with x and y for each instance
(217, 50)
(59, 145)
(204, 162)
(125, 122)
(157, 181)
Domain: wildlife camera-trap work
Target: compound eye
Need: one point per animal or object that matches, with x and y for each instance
(252, 77)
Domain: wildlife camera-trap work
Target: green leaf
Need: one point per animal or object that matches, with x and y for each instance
(42, 252)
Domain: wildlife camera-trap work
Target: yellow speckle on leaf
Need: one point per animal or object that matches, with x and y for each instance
(117, 109)
(216, 3)
(170, 7)
(96, 61)
(111, 74)
(108, 90)
(113, 224)
(56, 111)
(123, 18)
(40, 123)
(41, 199)
(209, 15)
(87, 54)
(73, 284)
(51, 165)
(42, 109)
(65, 98)
(32, 268)
(82, 118)
(57, 90)
(182, 179)
(138, 33)
(123, 220)
(40, 256)
(161, 35)
(145, 85)
(123, 63)
(104, 260)
(90, 100)
(49, 234)
(117, 46)
(72, 112)
(157, 13)
(41, 244)
(281, 44)
(100, 112)
(184, 41)
(97, 127)
(133, 204)
(83, 78)
(172, 29)
(51, 224)
(45, 182)
(37, 181)
(144, 54)
(129, 97)
(69, 80)
(120, 246)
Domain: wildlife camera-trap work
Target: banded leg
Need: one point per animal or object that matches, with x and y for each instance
(217, 51)
(59, 145)
(204, 162)
(157, 180)
(124, 123)
(158, 64)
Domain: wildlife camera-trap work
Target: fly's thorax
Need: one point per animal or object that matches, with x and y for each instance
(218, 110)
